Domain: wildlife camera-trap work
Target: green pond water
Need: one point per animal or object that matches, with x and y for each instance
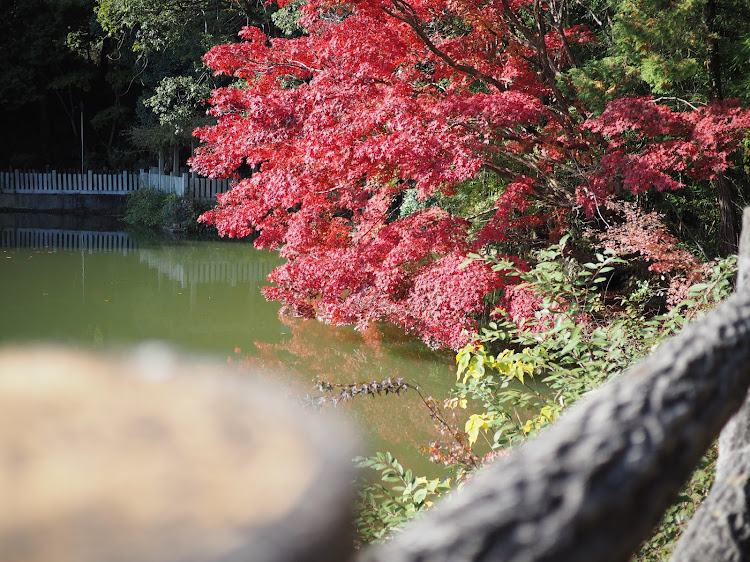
(69, 282)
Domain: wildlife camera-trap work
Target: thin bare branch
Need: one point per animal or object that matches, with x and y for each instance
(405, 13)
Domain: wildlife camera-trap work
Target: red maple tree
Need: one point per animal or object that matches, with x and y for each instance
(380, 97)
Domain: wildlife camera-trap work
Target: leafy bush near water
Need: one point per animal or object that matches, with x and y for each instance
(177, 211)
(154, 208)
(144, 207)
(521, 373)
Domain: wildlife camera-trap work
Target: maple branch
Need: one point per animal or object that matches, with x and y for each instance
(531, 162)
(548, 65)
(501, 132)
(502, 172)
(481, 214)
(407, 15)
(532, 158)
(437, 415)
(557, 23)
(565, 44)
(325, 191)
(291, 64)
(380, 221)
(549, 70)
(529, 39)
(559, 195)
(505, 134)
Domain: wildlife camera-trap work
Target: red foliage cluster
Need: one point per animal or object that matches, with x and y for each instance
(649, 146)
(520, 303)
(384, 96)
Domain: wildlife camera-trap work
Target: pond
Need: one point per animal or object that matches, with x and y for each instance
(74, 283)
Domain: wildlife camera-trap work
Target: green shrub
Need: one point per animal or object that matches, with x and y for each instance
(176, 211)
(382, 507)
(153, 208)
(145, 206)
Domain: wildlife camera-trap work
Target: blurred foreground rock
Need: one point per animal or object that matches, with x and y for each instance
(141, 459)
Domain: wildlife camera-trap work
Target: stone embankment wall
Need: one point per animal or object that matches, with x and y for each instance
(63, 203)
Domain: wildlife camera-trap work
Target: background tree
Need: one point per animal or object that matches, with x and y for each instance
(167, 40)
(56, 67)
(687, 54)
(69, 61)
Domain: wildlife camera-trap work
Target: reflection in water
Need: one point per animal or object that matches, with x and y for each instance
(66, 240)
(205, 268)
(316, 352)
(102, 289)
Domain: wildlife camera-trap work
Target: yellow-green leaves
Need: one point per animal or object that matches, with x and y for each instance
(456, 402)
(471, 361)
(546, 415)
(514, 365)
(486, 377)
(475, 423)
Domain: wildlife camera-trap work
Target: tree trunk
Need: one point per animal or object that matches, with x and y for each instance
(724, 189)
(175, 160)
(727, 213)
(713, 60)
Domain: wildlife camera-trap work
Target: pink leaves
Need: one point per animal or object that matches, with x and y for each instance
(497, 110)
(509, 215)
(646, 235)
(444, 297)
(639, 115)
(396, 276)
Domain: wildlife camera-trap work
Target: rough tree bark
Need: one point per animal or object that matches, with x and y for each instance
(720, 529)
(591, 487)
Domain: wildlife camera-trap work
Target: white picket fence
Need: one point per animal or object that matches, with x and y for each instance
(119, 183)
(110, 183)
(201, 189)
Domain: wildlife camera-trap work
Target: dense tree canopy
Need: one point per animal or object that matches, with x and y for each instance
(130, 72)
(383, 102)
(166, 40)
(53, 68)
